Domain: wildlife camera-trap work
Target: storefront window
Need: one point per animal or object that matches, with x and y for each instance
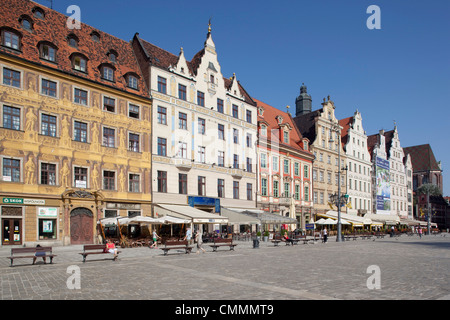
(47, 229)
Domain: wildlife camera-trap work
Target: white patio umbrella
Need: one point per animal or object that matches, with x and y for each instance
(320, 221)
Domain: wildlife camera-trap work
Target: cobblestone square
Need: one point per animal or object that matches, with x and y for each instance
(409, 268)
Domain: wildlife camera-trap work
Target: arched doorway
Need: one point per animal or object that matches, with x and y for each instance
(81, 226)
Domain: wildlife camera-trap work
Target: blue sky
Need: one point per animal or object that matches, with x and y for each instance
(400, 72)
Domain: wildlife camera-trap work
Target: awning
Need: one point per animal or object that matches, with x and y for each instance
(354, 220)
(236, 216)
(381, 219)
(268, 218)
(189, 213)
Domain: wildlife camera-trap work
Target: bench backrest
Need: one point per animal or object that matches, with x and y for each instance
(176, 243)
(94, 247)
(221, 240)
(30, 250)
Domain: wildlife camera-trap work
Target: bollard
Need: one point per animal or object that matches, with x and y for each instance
(255, 243)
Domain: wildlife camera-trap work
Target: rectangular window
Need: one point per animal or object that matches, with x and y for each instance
(133, 142)
(286, 166)
(109, 180)
(235, 111)
(286, 137)
(11, 77)
(201, 186)
(221, 159)
(80, 96)
(201, 154)
(80, 177)
(11, 40)
(235, 189)
(249, 116)
(108, 74)
(133, 111)
(296, 168)
(249, 191)
(264, 187)
(134, 182)
(275, 163)
(182, 183)
(182, 150)
(297, 192)
(182, 92)
(201, 126)
(109, 104)
(200, 98)
(162, 85)
(236, 136)
(182, 120)
(306, 193)
(109, 137)
(162, 181)
(249, 140)
(221, 188)
(287, 190)
(48, 88)
(162, 147)
(276, 190)
(306, 171)
(48, 174)
(11, 118)
(221, 129)
(80, 131)
(249, 165)
(263, 160)
(79, 64)
(162, 115)
(220, 105)
(235, 161)
(48, 125)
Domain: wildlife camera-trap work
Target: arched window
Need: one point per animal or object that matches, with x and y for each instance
(38, 13)
(132, 80)
(112, 55)
(95, 36)
(107, 71)
(73, 40)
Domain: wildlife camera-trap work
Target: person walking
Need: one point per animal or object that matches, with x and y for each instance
(199, 240)
(155, 240)
(188, 235)
(325, 235)
(420, 232)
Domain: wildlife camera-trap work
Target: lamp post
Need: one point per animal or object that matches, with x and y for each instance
(337, 199)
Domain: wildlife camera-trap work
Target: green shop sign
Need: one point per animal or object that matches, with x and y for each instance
(13, 200)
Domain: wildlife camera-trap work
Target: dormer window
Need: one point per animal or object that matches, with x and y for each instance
(47, 52)
(112, 55)
(95, 36)
(72, 40)
(79, 63)
(11, 39)
(286, 136)
(26, 22)
(38, 13)
(107, 72)
(261, 111)
(263, 130)
(132, 81)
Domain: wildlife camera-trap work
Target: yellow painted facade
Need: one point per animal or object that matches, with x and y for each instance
(46, 173)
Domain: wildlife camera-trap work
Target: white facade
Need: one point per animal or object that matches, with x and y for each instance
(359, 174)
(204, 136)
(399, 190)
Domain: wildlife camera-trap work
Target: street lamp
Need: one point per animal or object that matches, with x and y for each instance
(337, 199)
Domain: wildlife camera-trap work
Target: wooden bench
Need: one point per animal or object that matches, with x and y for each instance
(380, 235)
(350, 236)
(21, 253)
(176, 244)
(276, 240)
(219, 242)
(305, 239)
(95, 249)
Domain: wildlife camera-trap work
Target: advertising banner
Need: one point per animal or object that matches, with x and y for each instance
(383, 186)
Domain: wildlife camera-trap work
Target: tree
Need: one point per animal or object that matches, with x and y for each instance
(432, 189)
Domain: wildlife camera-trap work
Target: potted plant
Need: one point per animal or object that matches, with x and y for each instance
(266, 236)
(258, 234)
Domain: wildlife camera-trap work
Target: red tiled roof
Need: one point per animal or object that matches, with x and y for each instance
(345, 124)
(52, 28)
(269, 116)
(422, 158)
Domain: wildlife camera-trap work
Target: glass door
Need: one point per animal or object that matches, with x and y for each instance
(11, 231)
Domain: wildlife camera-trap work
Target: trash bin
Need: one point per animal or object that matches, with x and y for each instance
(255, 243)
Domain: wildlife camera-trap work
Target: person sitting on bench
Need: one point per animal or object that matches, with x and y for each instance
(287, 239)
(39, 254)
(111, 248)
